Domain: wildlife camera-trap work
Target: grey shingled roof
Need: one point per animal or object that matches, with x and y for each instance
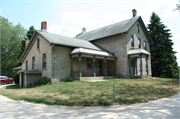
(109, 30)
(137, 51)
(67, 41)
(114, 29)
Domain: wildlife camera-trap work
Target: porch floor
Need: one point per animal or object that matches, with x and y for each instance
(94, 78)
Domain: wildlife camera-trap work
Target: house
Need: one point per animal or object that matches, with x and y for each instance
(118, 50)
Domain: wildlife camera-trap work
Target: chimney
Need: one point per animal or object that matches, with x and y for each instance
(134, 12)
(26, 42)
(83, 30)
(44, 25)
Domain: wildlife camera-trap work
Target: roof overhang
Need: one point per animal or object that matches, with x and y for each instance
(17, 68)
(91, 52)
(30, 72)
(138, 52)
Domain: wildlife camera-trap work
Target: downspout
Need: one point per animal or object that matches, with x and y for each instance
(51, 60)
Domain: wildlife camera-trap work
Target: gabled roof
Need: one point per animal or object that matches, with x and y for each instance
(114, 29)
(67, 41)
(58, 40)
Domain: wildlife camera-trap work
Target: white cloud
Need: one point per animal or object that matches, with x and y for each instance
(55, 29)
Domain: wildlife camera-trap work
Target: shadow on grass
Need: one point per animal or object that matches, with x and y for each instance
(13, 87)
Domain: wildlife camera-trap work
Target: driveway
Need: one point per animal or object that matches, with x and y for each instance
(166, 108)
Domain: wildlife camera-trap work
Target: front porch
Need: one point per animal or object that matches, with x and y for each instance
(89, 64)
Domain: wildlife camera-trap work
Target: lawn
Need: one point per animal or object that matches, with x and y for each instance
(83, 93)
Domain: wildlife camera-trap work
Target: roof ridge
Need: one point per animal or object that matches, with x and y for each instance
(107, 26)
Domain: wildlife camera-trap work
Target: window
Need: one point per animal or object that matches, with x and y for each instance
(26, 65)
(138, 28)
(33, 63)
(132, 42)
(145, 45)
(89, 66)
(38, 43)
(139, 43)
(44, 61)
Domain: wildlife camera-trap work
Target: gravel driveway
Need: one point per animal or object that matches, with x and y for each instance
(166, 108)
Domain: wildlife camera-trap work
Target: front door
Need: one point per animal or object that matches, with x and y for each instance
(100, 67)
(132, 67)
(22, 80)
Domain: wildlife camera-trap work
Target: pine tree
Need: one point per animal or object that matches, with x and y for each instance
(30, 32)
(163, 57)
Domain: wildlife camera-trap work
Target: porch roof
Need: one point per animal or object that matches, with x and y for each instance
(136, 51)
(92, 52)
(30, 71)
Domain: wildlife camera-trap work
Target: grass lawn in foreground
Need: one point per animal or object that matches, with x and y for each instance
(83, 93)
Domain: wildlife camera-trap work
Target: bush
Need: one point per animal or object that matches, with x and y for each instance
(16, 79)
(41, 81)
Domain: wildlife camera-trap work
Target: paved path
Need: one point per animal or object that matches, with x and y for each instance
(166, 108)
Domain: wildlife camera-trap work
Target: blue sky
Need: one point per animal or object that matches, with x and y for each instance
(68, 17)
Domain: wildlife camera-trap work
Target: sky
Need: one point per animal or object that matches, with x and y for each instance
(68, 17)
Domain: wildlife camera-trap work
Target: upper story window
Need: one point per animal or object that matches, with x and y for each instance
(132, 42)
(145, 45)
(33, 63)
(38, 43)
(44, 61)
(26, 65)
(89, 64)
(139, 43)
(138, 28)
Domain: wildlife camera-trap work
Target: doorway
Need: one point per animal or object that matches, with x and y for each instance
(132, 67)
(100, 67)
(22, 80)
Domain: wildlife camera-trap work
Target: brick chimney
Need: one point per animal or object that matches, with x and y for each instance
(83, 30)
(44, 25)
(134, 12)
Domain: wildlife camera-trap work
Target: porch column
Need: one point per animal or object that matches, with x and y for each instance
(136, 66)
(141, 64)
(147, 65)
(105, 67)
(71, 66)
(115, 66)
(129, 66)
(94, 70)
(80, 75)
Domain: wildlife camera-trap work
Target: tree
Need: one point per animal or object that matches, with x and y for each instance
(30, 32)
(162, 55)
(11, 37)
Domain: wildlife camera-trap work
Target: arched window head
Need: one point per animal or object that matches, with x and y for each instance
(132, 42)
(139, 43)
(138, 28)
(145, 45)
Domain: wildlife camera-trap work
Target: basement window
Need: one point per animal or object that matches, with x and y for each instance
(89, 63)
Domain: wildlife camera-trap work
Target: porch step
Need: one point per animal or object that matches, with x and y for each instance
(94, 78)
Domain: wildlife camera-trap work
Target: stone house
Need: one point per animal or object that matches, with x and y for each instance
(118, 50)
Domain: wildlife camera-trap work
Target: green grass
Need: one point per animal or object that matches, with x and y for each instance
(82, 93)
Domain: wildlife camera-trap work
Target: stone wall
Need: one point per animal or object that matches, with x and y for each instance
(61, 63)
(44, 47)
(116, 44)
(139, 35)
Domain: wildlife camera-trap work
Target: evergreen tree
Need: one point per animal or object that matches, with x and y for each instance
(162, 55)
(30, 32)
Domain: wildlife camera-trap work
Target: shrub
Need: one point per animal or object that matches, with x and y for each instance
(41, 81)
(16, 79)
